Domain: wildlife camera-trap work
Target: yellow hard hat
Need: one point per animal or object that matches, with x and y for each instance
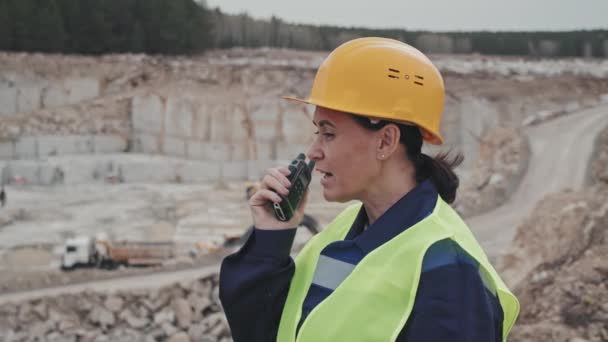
(384, 79)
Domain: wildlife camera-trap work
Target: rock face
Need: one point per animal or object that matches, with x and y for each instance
(226, 107)
(182, 313)
(557, 264)
(503, 160)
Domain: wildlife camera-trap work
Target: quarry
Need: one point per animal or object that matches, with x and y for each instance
(161, 149)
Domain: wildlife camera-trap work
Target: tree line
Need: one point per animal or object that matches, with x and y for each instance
(189, 27)
(104, 26)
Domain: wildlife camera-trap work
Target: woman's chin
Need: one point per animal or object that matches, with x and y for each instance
(332, 196)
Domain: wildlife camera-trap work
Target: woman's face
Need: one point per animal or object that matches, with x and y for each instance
(345, 154)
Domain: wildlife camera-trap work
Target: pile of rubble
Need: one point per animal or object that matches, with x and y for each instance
(178, 313)
(557, 264)
(502, 162)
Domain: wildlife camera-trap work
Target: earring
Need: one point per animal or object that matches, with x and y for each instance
(382, 156)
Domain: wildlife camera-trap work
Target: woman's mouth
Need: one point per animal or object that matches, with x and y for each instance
(326, 176)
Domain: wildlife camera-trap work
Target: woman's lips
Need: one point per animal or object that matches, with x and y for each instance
(326, 177)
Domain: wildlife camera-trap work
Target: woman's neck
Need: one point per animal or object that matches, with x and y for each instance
(387, 190)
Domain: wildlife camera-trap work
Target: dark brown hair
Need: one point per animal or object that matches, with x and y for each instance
(440, 169)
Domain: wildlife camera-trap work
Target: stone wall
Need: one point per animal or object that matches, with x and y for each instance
(25, 93)
(226, 108)
(178, 313)
(127, 168)
(41, 147)
(185, 126)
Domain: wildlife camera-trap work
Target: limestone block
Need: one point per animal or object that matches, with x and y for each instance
(201, 121)
(235, 170)
(264, 151)
(54, 96)
(174, 147)
(236, 150)
(256, 168)
(109, 144)
(242, 151)
(266, 131)
(268, 112)
(7, 150)
(195, 149)
(49, 146)
(81, 89)
(217, 151)
(5, 172)
(29, 170)
(28, 98)
(147, 113)
(79, 171)
(8, 100)
(604, 99)
(50, 174)
(297, 125)
(199, 150)
(228, 123)
(178, 118)
(290, 151)
(148, 171)
(26, 148)
(147, 143)
(241, 125)
(198, 172)
(60, 145)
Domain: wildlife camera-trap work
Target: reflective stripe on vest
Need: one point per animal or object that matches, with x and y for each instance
(374, 300)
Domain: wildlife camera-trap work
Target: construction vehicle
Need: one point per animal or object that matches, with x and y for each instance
(101, 252)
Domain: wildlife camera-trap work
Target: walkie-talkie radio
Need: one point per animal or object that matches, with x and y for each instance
(299, 177)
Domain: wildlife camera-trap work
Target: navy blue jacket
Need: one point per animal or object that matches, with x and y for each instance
(452, 303)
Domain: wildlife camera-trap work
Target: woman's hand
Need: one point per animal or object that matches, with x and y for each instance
(275, 181)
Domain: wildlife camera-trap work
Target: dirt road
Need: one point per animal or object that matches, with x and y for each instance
(560, 154)
(155, 280)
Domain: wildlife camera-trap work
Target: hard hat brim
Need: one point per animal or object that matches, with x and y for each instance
(427, 135)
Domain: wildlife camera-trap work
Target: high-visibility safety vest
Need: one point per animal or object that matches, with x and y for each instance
(375, 300)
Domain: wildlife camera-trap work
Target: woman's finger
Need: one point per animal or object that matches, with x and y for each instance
(284, 170)
(263, 196)
(280, 176)
(274, 184)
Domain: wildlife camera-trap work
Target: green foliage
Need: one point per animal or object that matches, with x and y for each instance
(6, 27)
(242, 30)
(188, 27)
(104, 26)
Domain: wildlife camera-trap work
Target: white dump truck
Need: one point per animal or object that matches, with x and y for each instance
(103, 253)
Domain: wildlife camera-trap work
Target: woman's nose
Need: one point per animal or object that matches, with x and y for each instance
(314, 153)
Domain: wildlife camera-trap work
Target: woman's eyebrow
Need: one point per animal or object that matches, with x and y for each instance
(324, 123)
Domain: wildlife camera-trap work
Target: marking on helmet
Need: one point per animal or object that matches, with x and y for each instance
(418, 83)
(393, 71)
(419, 77)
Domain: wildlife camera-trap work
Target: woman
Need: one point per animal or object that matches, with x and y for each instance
(398, 266)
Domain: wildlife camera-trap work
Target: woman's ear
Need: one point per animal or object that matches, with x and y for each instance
(390, 136)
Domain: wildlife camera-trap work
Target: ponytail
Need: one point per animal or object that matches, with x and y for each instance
(439, 170)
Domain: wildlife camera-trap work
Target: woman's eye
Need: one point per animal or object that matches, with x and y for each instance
(326, 135)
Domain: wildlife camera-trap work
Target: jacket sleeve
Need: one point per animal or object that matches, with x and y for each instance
(452, 304)
(254, 283)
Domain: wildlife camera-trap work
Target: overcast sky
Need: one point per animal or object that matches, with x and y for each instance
(439, 15)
